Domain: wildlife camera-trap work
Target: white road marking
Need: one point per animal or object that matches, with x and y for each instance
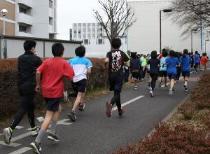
(128, 102)
(10, 145)
(64, 122)
(61, 122)
(21, 151)
(19, 137)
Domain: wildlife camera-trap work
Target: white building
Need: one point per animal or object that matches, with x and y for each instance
(93, 37)
(144, 35)
(36, 18)
(30, 18)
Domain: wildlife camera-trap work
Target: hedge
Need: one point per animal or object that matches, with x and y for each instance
(9, 97)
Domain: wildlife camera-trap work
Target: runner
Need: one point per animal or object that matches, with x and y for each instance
(204, 61)
(172, 62)
(116, 59)
(49, 79)
(154, 71)
(185, 66)
(134, 68)
(196, 61)
(27, 65)
(163, 69)
(82, 68)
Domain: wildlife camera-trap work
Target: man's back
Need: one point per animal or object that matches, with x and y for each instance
(27, 65)
(185, 63)
(172, 62)
(116, 60)
(53, 70)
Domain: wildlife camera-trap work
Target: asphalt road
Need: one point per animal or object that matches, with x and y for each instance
(94, 133)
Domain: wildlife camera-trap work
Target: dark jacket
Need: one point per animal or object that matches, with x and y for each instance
(27, 65)
(135, 64)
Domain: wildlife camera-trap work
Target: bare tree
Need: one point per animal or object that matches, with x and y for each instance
(115, 17)
(194, 14)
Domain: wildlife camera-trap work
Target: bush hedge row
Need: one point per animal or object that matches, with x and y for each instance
(9, 96)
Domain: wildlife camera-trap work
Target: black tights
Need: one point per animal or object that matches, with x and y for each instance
(154, 79)
(116, 99)
(26, 106)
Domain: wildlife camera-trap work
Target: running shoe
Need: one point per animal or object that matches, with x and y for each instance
(36, 147)
(121, 112)
(163, 86)
(34, 131)
(72, 116)
(81, 107)
(108, 109)
(7, 134)
(53, 137)
(151, 93)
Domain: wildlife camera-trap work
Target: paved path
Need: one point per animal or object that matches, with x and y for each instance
(93, 133)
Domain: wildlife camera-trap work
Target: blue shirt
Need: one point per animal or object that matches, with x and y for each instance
(185, 63)
(196, 58)
(172, 62)
(80, 66)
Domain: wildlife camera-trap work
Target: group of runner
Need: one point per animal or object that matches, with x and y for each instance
(46, 77)
(167, 66)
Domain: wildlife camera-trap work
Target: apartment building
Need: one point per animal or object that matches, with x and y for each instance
(10, 22)
(30, 18)
(89, 33)
(93, 37)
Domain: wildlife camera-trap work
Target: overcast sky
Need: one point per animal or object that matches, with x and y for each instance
(74, 11)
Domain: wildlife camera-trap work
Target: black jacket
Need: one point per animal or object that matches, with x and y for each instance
(27, 65)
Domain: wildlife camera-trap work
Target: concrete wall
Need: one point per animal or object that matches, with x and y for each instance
(144, 35)
(14, 47)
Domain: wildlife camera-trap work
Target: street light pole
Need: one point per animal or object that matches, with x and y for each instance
(165, 11)
(3, 13)
(160, 31)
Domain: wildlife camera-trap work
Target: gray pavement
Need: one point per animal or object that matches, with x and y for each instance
(94, 133)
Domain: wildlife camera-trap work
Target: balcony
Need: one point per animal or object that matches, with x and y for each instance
(28, 3)
(24, 18)
(24, 34)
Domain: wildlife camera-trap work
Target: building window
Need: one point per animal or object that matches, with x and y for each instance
(86, 41)
(51, 36)
(70, 34)
(24, 9)
(100, 41)
(50, 20)
(24, 28)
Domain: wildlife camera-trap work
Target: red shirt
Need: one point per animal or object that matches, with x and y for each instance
(53, 71)
(204, 60)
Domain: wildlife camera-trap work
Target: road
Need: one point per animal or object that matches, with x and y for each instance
(94, 133)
